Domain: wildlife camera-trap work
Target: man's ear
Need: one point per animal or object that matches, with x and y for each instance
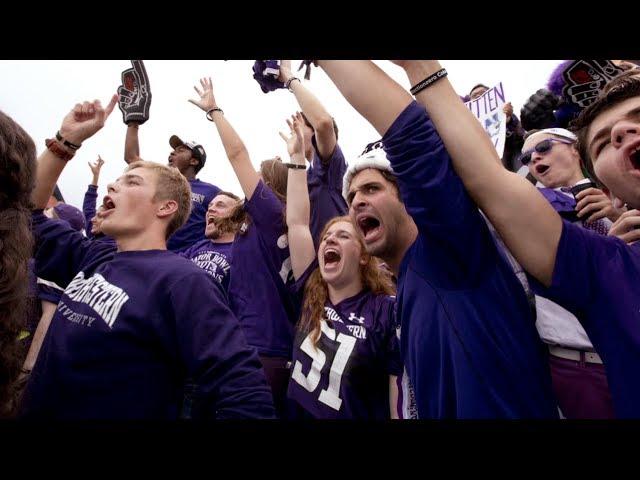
(194, 161)
(167, 208)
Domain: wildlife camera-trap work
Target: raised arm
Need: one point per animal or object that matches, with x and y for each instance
(364, 84)
(80, 124)
(131, 144)
(298, 205)
(315, 112)
(95, 170)
(233, 145)
(91, 195)
(525, 220)
(134, 101)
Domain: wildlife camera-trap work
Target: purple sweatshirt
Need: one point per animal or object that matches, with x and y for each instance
(130, 328)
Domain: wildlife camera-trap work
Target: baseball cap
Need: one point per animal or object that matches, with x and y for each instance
(373, 156)
(71, 215)
(196, 149)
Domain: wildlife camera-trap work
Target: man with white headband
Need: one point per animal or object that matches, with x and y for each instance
(468, 335)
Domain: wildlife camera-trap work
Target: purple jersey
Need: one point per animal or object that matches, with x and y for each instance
(213, 258)
(346, 374)
(193, 230)
(468, 336)
(261, 276)
(324, 179)
(130, 328)
(596, 278)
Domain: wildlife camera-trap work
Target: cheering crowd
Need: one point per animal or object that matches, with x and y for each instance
(427, 278)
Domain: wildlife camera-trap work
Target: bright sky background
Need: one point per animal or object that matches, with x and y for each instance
(38, 94)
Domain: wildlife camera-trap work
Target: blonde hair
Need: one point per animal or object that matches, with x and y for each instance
(170, 185)
(374, 279)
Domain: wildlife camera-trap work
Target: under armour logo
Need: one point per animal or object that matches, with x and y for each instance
(353, 318)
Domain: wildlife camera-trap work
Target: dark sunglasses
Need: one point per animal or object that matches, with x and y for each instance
(542, 148)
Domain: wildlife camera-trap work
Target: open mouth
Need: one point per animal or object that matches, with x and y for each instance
(541, 169)
(211, 219)
(331, 258)
(108, 204)
(370, 226)
(635, 158)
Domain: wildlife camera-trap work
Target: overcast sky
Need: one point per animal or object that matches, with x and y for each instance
(38, 94)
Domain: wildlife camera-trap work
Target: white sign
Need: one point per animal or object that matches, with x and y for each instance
(488, 111)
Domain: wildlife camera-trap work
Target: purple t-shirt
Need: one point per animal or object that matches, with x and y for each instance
(346, 374)
(468, 336)
(261, 277)
(213, 258)
(130, 328)
(324, 180)
(596, 278)
(193, 230)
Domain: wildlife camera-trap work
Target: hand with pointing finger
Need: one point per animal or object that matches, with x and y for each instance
(85, 120)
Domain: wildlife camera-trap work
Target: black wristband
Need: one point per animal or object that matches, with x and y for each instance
(288, 84)
(295, 166)
(430, 80)
(66, 143)
(210, 113)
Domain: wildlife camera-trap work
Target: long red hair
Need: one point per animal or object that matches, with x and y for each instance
(374, 279)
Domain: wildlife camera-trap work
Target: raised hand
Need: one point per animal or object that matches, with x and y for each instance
(627, 227)
(207, 100)
(96, 166)
(285, 71)
(85, 120)
(595, 202)
(134, 95)
(507, 108)
(295, 140)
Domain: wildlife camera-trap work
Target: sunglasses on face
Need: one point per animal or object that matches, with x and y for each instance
(542, 148)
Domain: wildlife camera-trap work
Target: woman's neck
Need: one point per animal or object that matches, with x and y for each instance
(577, 176)
(339, 293)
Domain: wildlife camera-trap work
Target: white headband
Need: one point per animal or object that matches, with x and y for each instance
(560, 132)
(372, 158)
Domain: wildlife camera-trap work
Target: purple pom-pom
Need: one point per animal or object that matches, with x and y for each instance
(263, 73)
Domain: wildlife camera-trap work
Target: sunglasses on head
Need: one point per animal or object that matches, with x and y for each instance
(542, 148)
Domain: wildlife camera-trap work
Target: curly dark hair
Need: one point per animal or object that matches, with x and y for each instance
(17, 178)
